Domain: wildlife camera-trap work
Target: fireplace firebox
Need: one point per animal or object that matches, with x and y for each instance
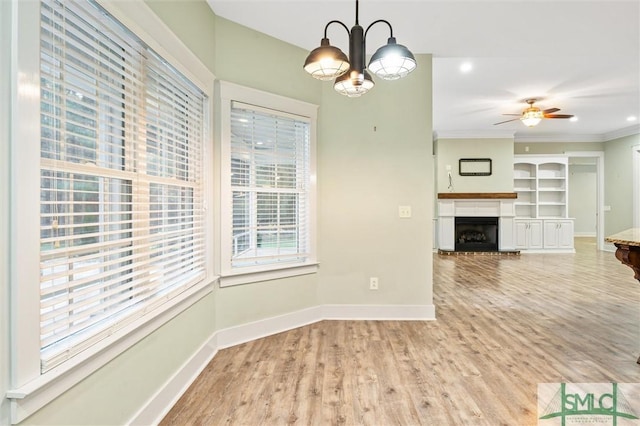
(476, 234)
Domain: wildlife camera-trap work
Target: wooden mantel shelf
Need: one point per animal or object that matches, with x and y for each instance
(477, 195)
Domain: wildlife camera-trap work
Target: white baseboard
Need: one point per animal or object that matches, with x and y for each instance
(609, 247)
(258, 329)
(379, 312)
(161, 402)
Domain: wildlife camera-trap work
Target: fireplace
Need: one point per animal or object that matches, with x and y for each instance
(452, 205)
(476, 234)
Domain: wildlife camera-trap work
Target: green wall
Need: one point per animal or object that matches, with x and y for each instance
(618, 175)
(193, 22)
(363, 176)
(241, 51)
(374, 155)
(499, 150)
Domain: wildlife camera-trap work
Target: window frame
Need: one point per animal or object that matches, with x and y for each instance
(230, 92)
(31, 389)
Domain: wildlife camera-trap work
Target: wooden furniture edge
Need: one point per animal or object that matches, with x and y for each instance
(628, 251)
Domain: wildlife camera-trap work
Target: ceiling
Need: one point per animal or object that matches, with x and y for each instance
(580, 56)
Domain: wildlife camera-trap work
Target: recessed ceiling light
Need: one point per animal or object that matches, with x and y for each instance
(632, 118)
(466, 67)
(573, 119)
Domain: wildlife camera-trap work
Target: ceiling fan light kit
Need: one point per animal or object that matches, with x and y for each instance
(532, 115)
(390, 62)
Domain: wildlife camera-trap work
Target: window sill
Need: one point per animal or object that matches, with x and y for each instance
(277, 272)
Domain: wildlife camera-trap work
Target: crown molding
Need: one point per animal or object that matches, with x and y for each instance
(471, 134)
(620, 133)
(519, 137)
(558, 137)
(604, 137)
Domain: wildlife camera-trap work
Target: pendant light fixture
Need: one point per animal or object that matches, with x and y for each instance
(390, 62)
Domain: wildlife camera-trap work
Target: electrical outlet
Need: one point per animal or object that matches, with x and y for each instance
(404, 212)
(373, 283)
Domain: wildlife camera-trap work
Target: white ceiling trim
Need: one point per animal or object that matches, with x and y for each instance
(480, 134)
(627, 131)
(558, 137)
(550, 137)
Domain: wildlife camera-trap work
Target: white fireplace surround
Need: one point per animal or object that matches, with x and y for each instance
(449, 209)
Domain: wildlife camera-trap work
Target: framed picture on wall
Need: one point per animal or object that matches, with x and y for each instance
(474, 167)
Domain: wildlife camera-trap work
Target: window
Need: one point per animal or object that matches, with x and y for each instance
(119, 160)
(269, 183)
(121, 179)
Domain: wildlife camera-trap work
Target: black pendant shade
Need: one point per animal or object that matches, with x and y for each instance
(326, 62)
(390, 62)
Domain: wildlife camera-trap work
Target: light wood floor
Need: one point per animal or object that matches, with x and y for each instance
(504, 324)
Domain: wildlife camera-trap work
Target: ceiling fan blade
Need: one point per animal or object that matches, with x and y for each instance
(502, 122)
(550, 110)
(558, 116)
(513, 114)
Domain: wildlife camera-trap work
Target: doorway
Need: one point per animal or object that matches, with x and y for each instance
(590, 162)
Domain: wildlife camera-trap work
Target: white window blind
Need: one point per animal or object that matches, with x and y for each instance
(122, 225)
(269, 154)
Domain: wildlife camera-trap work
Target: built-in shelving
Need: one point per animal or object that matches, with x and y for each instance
(541, 207)
(541, 185)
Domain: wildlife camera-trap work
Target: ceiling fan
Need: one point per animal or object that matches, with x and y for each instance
(532, 115)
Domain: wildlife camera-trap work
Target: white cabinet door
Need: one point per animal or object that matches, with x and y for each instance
(550, 234)
(528, 234)
(565, 234)
(535, 234)
(558, 233)
(521, 231)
